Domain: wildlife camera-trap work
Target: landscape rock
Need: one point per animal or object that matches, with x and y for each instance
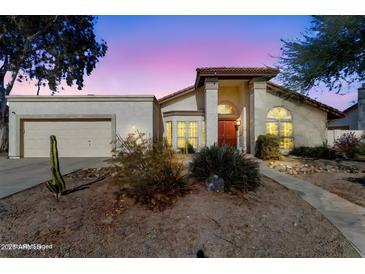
(215, 183)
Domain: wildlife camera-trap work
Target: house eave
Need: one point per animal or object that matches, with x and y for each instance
(85, 98)
(332, 112)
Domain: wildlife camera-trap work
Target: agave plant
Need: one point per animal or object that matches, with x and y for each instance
(226, 162)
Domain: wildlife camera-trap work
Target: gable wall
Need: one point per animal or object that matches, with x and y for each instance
(192, 101)
(309, 122)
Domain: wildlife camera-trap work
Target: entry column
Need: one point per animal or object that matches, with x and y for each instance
(211, 110)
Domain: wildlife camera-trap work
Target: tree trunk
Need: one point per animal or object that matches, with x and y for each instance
(4, 127)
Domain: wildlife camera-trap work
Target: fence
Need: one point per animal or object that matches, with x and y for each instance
(332, 135)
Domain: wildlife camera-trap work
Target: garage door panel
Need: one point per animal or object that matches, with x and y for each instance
(74, 138)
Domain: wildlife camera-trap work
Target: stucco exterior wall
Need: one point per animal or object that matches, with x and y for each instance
(211, 113)
(309, 123)
(131, 113)
(260, 104)
(350, 120)
(192, 101)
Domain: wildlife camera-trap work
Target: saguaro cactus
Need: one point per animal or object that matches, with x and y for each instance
(56, 185)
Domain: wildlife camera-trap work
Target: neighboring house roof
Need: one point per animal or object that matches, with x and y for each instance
(234, 72)
(350, 108)
(331, 110)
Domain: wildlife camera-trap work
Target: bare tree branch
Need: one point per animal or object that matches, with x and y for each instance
(10, 85)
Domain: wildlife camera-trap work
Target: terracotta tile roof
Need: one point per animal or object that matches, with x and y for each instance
(331, 110)
(238, 70)
(234, 72)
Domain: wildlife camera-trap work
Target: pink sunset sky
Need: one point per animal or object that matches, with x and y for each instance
(159, 54)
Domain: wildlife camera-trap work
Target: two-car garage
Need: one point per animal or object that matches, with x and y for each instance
(81, 137)
(85, 126)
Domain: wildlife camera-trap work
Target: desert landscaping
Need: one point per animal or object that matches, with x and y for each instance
(100, 221)
(344, 178)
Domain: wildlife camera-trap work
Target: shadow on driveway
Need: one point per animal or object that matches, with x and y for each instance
(17, 175)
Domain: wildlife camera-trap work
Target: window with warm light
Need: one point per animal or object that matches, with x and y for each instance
(279, 123)
(168, 126)
(203, 134)
(193, 134)
(226, 108)
(181, 134)
(187, 132)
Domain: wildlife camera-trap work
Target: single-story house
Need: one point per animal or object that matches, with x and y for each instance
(230, 106)
(354, 115)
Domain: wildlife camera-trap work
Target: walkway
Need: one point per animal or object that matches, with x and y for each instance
(346, 216)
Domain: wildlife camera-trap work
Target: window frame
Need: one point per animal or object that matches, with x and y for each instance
(187, 133)
(279, 122)
(169, 143)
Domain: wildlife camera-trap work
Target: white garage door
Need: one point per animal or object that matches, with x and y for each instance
(75, 138)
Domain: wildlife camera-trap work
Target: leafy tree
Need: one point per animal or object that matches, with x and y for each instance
(332, 51)
(48, 50)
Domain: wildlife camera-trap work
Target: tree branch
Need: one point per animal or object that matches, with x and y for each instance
(24, 52)
(10, 85)
(4, 65)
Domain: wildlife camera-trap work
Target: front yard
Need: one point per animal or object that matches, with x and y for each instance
(99, 221)
(344, 178)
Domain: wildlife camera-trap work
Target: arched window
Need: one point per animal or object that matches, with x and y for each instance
(279, 123)
(226, 108)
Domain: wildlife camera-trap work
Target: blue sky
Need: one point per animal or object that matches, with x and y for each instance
(159, 54)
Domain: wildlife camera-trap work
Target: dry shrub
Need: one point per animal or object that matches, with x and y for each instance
(150, 172)
(268, 147)
(349, 145)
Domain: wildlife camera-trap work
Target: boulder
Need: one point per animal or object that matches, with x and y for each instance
(215, 183)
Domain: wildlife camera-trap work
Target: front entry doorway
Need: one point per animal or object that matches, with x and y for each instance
(227, 133)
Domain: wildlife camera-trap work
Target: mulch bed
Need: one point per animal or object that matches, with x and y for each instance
(99, 221)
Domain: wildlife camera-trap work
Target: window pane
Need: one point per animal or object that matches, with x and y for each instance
(272, 128)
(180, 129)
(279, 113)
(181, 134)
(181, 142)
(169, 133)
(225, 109)
(193, 129)
(286, 129)
(286, 143)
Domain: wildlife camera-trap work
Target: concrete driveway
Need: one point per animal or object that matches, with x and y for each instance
(17, 175)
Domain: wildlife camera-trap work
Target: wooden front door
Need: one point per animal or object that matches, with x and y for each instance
(227, 133)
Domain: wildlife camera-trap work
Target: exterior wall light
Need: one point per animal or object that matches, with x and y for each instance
(238, 123)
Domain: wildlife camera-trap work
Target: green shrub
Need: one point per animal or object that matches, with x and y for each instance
(188, 149)
(150, 171)
(319, 152)
(268, 147)
(237, 171)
